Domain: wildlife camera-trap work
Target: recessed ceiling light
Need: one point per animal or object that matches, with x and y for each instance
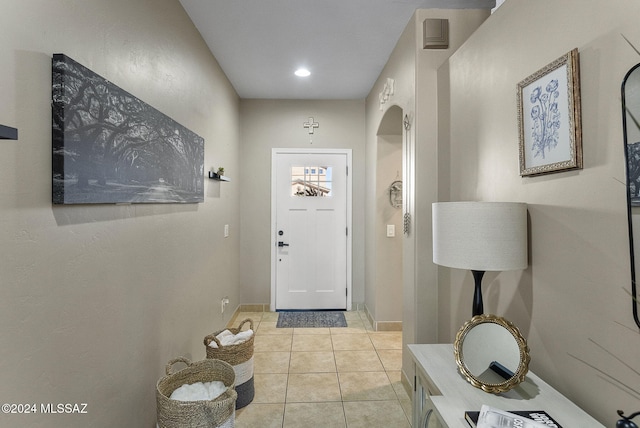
(302, 72)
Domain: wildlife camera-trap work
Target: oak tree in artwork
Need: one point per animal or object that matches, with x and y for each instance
(109, 146)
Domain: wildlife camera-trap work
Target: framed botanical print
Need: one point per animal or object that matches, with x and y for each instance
(549, 118)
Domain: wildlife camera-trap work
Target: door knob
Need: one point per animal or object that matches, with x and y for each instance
(282, 244)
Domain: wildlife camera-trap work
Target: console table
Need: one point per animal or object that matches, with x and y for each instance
(441, 395)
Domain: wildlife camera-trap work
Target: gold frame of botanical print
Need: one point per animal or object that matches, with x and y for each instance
(549, 118)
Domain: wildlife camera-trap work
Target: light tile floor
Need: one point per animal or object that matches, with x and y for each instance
(325, 377)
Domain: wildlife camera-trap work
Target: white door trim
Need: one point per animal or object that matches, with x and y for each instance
(273, 240)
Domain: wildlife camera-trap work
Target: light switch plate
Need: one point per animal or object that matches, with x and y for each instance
(391, 230)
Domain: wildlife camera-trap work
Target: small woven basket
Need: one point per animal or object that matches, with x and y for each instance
(219, 412)
(232, 354)
(240, 356)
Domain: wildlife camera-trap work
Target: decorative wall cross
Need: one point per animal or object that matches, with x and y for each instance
(387, 92)
(311, 125)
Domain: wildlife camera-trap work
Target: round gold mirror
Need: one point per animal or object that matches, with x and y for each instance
(491, 353)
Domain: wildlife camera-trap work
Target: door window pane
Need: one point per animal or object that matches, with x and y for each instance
(311, 181)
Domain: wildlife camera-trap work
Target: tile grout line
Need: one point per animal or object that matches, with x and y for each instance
(344, 412)
(331, 334)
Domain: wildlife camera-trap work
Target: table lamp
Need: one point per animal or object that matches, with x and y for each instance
(480, 236)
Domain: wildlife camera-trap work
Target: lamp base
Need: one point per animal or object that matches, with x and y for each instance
(478, 307)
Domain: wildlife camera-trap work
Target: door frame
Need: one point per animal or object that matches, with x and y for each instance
(349, 207)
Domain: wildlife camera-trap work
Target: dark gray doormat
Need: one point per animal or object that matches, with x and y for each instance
(311, 319)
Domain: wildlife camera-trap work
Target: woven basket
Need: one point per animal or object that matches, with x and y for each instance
(196, 414)
(240, 356)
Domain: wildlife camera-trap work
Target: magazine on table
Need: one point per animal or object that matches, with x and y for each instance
(536, 415)
(490, 417)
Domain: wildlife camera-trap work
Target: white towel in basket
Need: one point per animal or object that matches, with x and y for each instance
(227, 338)
(199, 391)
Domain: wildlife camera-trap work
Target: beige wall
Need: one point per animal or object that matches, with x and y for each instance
(267, 124)
(428, 149)
(96, 299)
(401, 68)
(416, 92)
(388, 278)
(571, 300)
(383, 289)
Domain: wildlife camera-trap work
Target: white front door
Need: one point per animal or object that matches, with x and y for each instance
(311, 239)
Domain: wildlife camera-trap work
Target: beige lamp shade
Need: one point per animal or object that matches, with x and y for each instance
(480, 236)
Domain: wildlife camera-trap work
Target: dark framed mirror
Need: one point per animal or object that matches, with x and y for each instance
(631, 129)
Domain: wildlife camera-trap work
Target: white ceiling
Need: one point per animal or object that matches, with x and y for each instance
(344, 43)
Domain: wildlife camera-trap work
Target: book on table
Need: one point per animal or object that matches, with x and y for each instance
(489, 417)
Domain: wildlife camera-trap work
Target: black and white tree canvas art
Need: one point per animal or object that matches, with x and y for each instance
(111, 147)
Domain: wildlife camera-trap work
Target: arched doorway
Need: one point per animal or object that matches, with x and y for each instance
(388, 286)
